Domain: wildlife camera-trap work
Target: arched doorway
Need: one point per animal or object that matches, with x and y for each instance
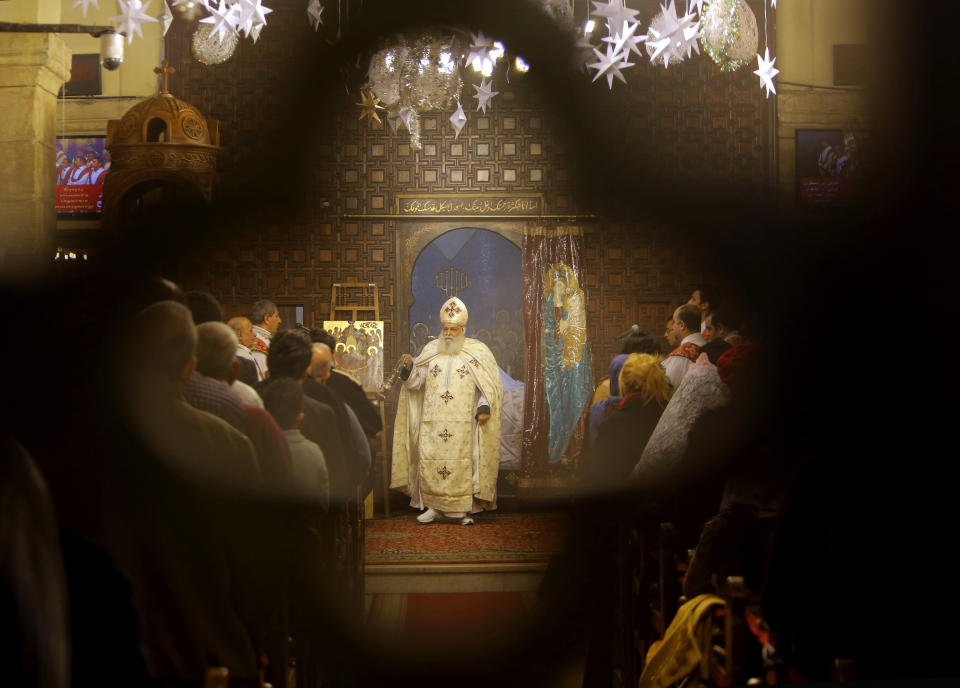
(482, 267)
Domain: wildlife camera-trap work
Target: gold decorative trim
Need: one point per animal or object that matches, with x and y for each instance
(469, 205)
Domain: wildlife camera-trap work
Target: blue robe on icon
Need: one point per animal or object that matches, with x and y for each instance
(568, 389)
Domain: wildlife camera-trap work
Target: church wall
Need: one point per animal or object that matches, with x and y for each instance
(691, 120)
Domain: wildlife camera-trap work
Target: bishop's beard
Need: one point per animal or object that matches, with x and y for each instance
(451, 345)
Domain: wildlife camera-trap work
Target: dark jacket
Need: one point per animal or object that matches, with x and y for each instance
(353, 394)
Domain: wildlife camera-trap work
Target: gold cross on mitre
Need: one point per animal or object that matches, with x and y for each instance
(166, 71)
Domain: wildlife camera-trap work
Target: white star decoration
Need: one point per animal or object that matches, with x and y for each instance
(672, 37)
(773, 4)
(458, 119)
(314, 10)
(615, 12)
(766, 71)
(480, 48)
(626, 40)
(84, 4)
(406, 114)
(223, 18)
(609, 65)
(132, 14)
(484, 94)
(251, 16)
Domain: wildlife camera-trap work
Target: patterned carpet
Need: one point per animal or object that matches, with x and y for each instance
(495, 537)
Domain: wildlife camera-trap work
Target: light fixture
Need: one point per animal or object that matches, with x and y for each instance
(520, 64)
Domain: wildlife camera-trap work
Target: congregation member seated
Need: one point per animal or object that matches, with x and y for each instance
(622, 435)
(290, 357)
(353, 436)
(662, 464)
(217, 360)
(180, 509)
(606, 403)
(635, 343)
(349, 389)
(284, 400)
(729, 445)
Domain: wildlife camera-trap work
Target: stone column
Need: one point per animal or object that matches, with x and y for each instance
(33, 66)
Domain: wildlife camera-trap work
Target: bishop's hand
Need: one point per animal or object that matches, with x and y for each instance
(483, 418)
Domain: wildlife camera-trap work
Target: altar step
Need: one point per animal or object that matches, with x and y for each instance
(469, 577)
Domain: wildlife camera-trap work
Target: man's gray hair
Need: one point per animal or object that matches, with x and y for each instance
(163, 338)
(321, 368)
(261, 309)
(216, 349)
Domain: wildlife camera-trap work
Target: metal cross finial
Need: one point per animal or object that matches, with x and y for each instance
(166, 71)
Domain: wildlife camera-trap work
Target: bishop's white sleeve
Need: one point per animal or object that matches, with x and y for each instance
(417, 377)
(482, 401)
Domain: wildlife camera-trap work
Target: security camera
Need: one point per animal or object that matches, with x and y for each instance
(111, 49)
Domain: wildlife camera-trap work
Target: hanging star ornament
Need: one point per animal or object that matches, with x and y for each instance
(166, 17)
(222, 18)
(609, 65)
(615, 12)
(773, 4)
(480, 48)
(251, 16)
(766, 71)
(132, 14)
(458, 119)
(84, 4)
(406, 115)
(626, 40)
(369, 106)
(484, 94)
(314, 12)
(671, 37)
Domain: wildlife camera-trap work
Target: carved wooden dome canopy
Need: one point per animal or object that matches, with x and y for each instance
(161, 140)
(164, 119)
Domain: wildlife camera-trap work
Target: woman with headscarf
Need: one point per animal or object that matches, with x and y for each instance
(602, 408)
(623, 434)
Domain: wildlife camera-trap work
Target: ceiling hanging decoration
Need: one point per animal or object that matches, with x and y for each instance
(414, 75)
(729, 33)
(208, 49)
(670, 35)
(765, 69)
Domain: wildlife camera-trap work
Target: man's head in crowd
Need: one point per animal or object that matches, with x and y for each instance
(640, 343)
(721, 323)
(686, 321)
(704, 297)
(203, 306)
(290, 354)
(322, 362)
(266, 315)
(669, 335)
(163, 342)
(283, 399)
(319, 335)
(715, 348)
(243, 328)
(217, 351)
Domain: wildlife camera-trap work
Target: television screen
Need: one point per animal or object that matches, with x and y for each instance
(82, 163)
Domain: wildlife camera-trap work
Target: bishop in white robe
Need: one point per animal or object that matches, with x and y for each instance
(446, 440)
